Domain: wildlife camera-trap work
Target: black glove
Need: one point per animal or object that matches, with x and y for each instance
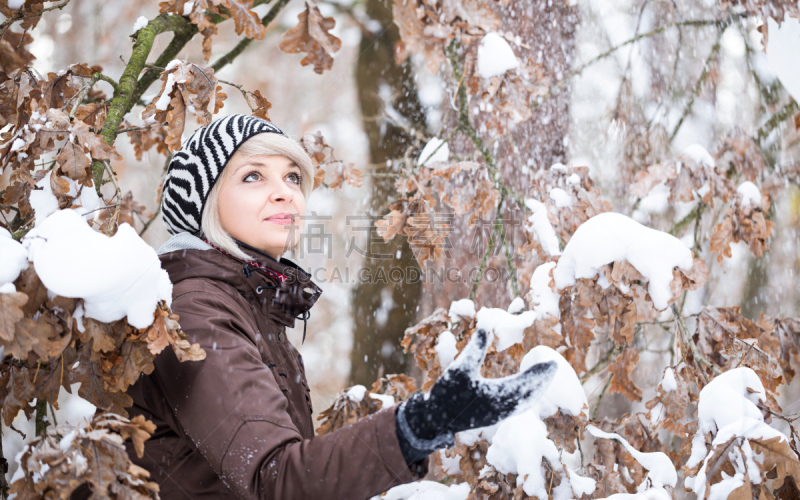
(461, 399)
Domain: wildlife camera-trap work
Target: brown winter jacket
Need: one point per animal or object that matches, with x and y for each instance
(238, 424)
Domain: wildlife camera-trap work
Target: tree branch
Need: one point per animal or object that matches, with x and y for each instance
(787, 111)
(245, 42)
(20, 16)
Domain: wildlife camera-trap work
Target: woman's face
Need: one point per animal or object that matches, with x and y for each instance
(254, 194)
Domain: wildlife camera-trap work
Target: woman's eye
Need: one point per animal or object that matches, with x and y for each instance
(248, 175)
(297, 176)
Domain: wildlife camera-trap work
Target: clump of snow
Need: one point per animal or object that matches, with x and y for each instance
(430, 154)
(472, 436)
(610, 237)
(699, 155)
(387, 399)
(139, 24)
(189, 6)
(15, 4)
(356, 393)
(507, 327)
(660, 469)
(565, 392)
(463, 307)
(751, 195)
(428, 490)
(44, 202)
(782, 54)
(521, 441)
(574, 180)
(543, 299)
(517, 305)
(450, 466)
(7, 288)
(657, 200)
(495, 56)
(539, 223)
(15, 258)
(560, 197)
(446, 348)
(117, 277)
(163, 100)
(668, 383)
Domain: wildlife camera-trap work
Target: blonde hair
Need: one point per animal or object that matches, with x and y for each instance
(264, 144)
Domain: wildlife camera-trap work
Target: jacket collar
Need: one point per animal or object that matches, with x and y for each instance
(286, 290)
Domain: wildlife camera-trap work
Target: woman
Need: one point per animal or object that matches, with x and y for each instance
(238, 424)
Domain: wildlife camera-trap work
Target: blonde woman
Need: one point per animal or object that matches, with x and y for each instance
(238, 424)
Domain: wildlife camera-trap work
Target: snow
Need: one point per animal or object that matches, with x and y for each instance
(15, 258)
(139, 24)
(751, 195)
(356, 393)
(463, 307)
(540, 225)
(657, 200)
(699, 155)
(446, 348)
(507, 327)
(668, 383)
(428, 490)
(44, 202)
(610, 237)
(782, 55)
(450, 466)
(189, 6)
(560, 197)
(387, 400)
(521, 441)
(565, 391)
(163, 100)
(428, 156)
(517, 305)
(495, 56)
(730, 396)
(660, 469)
(18, 144)
(117, 277)
(15, 4)
(543, 299)
(7, 288)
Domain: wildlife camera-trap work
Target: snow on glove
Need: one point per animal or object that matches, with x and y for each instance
(461, 399)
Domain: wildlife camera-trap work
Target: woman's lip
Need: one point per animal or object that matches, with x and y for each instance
(280, 218)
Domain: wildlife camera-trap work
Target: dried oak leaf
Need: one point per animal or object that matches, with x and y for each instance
(93, 113)
(742, 222)
(345, 410)
(246, 21)
(10, 312)
(73, 162)
(92, 377)
(14, 51)
(262, 105)
(621, 369)
(311, 36)
(18, 392)
(668, 408)
(93, 143)
(344, 172)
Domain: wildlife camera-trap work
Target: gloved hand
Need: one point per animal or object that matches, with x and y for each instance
(461, 399)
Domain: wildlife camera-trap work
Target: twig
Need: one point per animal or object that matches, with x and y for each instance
(147, 224)
(133, 129)
(602, 363)
(687, 338)
(245, 42)
(41, 416)
(600, 398)
(484, 261)
(512, 270)
(81, 95)
(787, 111)
(700, 81)
(19, 16)
(556, 88)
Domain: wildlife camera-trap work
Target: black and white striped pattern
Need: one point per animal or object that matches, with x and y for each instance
(197, 166)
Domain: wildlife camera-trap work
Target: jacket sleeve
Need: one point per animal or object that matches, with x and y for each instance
(233, 410)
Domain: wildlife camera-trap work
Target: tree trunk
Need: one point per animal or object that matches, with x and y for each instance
(382, 310)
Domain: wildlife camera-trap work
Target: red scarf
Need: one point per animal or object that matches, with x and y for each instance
(251, 263)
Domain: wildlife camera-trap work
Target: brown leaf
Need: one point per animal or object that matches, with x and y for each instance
(621, 369)
(94, 114)
(73, 162)
(311, 36)
(262, 105)
(246, 21)
(10, 312)
(95, 144)
(18, 392)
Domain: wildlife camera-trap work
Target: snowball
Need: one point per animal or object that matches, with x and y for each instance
(565, 392)
(574, 180)
(782, 55)
(428, 156)
(699, 155)
(507, 327)
(610, 237)
(139, 24)
(751, 195)
(446, 348)
(117, 277)
(668, 383)
(463, 307)
(495, 56)
(428, 490)
(517, 305)
(731, 396)
(541, 296)
(356, 393)
(560, 197)
(540, 225)
(15, 257)
(659, 467)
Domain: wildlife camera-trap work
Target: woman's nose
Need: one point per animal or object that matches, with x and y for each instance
(281, 192)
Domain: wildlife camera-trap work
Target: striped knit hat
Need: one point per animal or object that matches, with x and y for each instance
(197, 166)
